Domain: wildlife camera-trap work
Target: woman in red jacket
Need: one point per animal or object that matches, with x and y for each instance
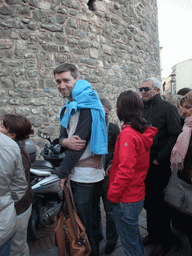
(129, 169)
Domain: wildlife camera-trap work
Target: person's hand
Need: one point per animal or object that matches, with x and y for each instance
(155, 162)
(108, 170)
(61, 183)
(74, 143)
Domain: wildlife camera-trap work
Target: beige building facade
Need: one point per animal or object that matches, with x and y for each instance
(180, 77)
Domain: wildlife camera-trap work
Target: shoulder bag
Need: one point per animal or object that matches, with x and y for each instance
(70, 233)
(178, 194)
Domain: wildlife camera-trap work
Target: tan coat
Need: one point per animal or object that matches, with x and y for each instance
(13, 185)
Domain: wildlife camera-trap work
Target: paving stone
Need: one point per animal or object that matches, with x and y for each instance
(37, 248)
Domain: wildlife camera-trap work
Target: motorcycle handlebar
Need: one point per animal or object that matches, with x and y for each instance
(55, 151)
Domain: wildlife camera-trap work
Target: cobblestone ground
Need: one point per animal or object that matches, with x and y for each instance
(45, 246)
(47, 241)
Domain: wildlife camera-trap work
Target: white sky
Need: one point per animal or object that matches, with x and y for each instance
(175, 32)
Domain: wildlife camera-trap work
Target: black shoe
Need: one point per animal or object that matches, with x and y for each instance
(147, 240)
(175, 240)
(100, 238)
(160, 250)
(109, 248)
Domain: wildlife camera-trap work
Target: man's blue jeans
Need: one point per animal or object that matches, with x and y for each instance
(126, 218)
(5, 249)
(87, 198)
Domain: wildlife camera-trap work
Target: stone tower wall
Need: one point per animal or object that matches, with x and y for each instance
(114, 44)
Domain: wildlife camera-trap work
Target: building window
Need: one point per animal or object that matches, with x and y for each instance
(91, 5)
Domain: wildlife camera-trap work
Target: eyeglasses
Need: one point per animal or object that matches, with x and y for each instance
(146, 89)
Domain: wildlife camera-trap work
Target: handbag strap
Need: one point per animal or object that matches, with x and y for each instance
(68, 195)
(70, 209)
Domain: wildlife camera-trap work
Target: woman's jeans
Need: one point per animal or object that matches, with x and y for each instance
(5, 249)
(87, 197)
(126, 219)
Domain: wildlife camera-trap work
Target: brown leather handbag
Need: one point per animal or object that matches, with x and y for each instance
(71, 238)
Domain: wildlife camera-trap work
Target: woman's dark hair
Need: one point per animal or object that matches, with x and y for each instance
(19, 125)
(129, 110)
(187, 98)
(184, 91)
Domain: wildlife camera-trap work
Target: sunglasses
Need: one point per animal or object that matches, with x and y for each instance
(146, 89)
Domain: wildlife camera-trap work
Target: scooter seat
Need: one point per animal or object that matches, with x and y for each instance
(44, 166)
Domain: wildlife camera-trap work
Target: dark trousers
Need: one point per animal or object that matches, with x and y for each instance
(182, 222)
(111, 231)
(87, 198)
(158, 212)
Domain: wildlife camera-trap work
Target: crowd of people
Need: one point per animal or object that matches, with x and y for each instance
(128, 169)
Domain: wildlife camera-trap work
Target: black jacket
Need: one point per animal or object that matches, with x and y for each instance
(113, 132)
(72, 157)
(164, 116)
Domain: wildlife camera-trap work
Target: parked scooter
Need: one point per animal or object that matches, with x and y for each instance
(45, 184)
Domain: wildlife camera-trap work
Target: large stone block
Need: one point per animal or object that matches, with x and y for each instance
(24, 10)
(106, 32)
(50, 47)
(94, 53)
(12, 63)
(6, 71)
(72, 22)
(12, 23)
(33, 3)
(7, 83)
(40, 15)
(71, 4)
(60, 18)
(25, 35)
(12, 2)
(32, 73)
(84, 44)
(52, 27)
(44, 4)
(6, 44)
(33, 25)
(88, 61)
(15, 102)
(35, 121)
(5, 10)
(80, 33)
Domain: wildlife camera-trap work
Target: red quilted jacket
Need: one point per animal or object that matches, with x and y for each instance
(130, 165)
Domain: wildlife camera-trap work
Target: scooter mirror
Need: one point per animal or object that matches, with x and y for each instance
(44, 135)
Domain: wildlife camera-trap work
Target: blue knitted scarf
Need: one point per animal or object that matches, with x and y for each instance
(84, 97)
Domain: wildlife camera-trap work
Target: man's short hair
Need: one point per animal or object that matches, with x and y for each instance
(156, 83)
(67, 67)
(106, 103)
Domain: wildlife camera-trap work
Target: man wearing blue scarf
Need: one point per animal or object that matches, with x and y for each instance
(83, 135)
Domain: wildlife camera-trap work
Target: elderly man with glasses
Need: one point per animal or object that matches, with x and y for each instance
(164, 116)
